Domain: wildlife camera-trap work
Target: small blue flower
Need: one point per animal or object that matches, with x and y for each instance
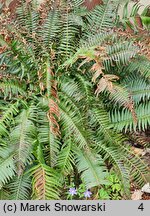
(72, 191)
(87, 194)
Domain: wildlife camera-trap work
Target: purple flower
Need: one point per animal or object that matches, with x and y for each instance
(87, 193)
(72, 191)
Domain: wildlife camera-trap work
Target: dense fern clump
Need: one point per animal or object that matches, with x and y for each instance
(71, 90)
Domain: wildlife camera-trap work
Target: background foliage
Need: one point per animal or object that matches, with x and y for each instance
(74, 92)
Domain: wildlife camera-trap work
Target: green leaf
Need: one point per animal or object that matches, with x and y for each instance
(91, 167)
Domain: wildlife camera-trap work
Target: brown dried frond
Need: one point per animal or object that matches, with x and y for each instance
(3, 49)
(53, 114)
(140, 139)
(40, 181)
(130, 106)
(141, 39)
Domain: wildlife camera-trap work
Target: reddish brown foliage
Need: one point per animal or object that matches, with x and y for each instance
(12, 5)
(90, 4)
(53, 113)
(141, 39)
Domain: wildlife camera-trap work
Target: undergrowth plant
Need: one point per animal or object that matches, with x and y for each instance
(71, 87)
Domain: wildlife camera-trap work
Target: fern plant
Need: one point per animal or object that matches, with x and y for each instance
(133, 20)
(53, 129)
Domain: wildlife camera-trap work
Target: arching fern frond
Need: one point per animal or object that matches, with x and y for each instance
(7, 116)
(120, 53)
(71, 89)
(102, 17)
(112, 142)
(20, 188)
(100, 120)
(138, 168)
(51, 28)
(91, 167)
(68, 34)
(22, 135)
(7, 165)
(85, 88)
(66, 157)
(73, 125)
(141, 65)
(11, 89)
(96, 39)
(123, 121)
(46, 183)
(49, 141)
(114, 156)
(138, 87)
(28, 18)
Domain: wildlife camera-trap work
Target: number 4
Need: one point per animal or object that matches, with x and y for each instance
(141, 207)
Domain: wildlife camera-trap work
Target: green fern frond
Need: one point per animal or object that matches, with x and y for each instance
(28, 18)
(9, 112)
(72, 102)
(76, 3)
(51, 28)
(71, 89)
(22, 135)
(100, 120)
(51, 125)
(114, 156)
(121, 96)
(73, 125)
(68, 36)
(85, 88)
(21, 13)
(49, 141)
(112, 147)
(140, 65)
(76, 92)
(119, 54)
(20, 188)
(102, 17)
(129, 17)
(92, 169)
(77, 20)
(11, 89)
(45, 183)
(7, 116)
(123, 121)
(66, 158)
(7, 165)
(4, 194)
(96, 39)
(138, 87)
(32, 22)
(138, 168)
